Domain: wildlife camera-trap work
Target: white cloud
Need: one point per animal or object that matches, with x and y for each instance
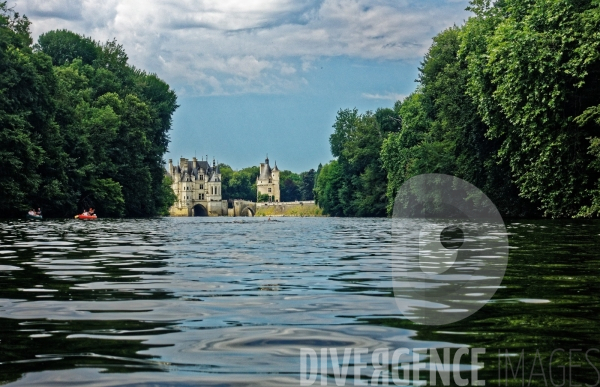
(63, 9)
(387, 96)
(287, 69)
(234, 46)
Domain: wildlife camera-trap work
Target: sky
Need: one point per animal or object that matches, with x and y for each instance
(258, 77)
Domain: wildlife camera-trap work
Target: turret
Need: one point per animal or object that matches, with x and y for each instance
(214, 186)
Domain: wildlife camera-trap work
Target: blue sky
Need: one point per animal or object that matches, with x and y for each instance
(293, 127)
(263, 76)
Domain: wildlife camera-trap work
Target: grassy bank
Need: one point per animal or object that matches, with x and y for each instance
(289, 210)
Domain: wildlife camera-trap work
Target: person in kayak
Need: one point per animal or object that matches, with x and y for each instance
(90, 212)
(32, 212)
(38, 212)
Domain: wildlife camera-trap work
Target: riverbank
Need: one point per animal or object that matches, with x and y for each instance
(298, 209)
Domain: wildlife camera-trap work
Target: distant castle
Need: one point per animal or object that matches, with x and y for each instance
(197, 186)
(267, 182)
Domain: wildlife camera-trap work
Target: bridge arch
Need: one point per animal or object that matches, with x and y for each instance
(247, 211)
(200, 210)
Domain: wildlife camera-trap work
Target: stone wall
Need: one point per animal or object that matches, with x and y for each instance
(176, 211)
(217, 208)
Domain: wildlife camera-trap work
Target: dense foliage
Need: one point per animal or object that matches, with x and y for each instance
(354, 184)
(294, 186)
(238, 184)
(509, 102)
(242, 184)
(79, 126)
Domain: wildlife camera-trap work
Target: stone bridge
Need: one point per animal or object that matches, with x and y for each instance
(243, 208)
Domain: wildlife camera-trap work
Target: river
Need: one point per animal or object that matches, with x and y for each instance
(232, 301)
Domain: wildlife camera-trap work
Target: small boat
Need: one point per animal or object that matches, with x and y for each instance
(34, 217)
(86, 217)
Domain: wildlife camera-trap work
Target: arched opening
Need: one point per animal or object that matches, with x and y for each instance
(247, 212)
(199, 210)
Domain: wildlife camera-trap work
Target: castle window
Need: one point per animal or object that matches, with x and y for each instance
(270, 181)
(269, 189)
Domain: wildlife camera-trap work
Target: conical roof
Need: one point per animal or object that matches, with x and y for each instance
(265, 173)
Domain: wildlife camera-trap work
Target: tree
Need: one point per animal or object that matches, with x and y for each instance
(289, 190)
(263, 198)
(328, 189)
(400, 150)
(442, 132)
(238, 184)
(534, 68)
(307, 184)
(28, 136)
(65, 46)
(114, 121)
(356, 142)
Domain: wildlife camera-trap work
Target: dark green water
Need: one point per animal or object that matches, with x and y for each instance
(200, 301)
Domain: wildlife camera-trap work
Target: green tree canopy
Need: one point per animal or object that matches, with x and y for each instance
(80, 126)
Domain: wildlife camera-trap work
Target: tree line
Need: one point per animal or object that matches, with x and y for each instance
(79, 126)
(509, 101)
(241, 184)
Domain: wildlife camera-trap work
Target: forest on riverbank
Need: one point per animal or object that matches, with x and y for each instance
(241, 184)
(509, 101)
(80, 126)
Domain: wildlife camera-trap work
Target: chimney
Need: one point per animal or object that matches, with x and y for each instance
(170, 166)
(195, 162)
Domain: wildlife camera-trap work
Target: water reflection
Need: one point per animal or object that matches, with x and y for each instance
(231, 302)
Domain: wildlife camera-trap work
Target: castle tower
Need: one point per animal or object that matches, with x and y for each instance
(267, 182)
(214, 184)
(275, 187)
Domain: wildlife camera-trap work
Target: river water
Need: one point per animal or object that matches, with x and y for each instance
(232, 301)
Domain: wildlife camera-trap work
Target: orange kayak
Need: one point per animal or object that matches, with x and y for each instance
(86, 217)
